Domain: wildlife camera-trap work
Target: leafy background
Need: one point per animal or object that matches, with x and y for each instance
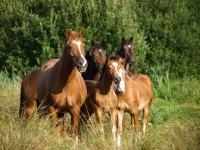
(166, 33)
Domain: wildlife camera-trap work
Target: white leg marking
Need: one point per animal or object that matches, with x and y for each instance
(118, 140)
(144, 128)
(114, 132)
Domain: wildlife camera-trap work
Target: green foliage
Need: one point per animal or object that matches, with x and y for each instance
(172, 29)
(32, 32)
(164, 32)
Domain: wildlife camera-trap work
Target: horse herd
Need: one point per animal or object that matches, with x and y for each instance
(83, 84)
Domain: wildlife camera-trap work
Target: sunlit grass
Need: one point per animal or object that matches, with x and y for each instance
(175, 123)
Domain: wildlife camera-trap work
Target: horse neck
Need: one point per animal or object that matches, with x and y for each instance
(106, 83)
(119, 52)
(91, 70)
(126, 66)
(66, 70)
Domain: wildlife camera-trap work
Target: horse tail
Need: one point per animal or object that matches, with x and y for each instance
(21, 107)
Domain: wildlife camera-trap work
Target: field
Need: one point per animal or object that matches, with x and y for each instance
(175, 118)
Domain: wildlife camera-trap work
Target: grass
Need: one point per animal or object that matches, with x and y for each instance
(175, 115)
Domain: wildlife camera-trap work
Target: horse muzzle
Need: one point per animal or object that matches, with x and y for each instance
(132, 62)
(81, 65)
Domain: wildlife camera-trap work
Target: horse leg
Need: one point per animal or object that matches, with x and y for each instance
(99, 115)
(145, 119)
(113, 116)
(54, 119)
(86, 111)
(26, 108)
(30, 106)
(75, 112)
(120, 115)
(135, 123)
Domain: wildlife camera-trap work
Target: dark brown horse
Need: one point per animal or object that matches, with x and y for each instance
(96, 58)
(126, 50)
(138, 96)
(28, 96)
(101, 96)
(61, 89)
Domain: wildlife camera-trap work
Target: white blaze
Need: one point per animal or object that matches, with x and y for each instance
(78, 43)
(122, 83)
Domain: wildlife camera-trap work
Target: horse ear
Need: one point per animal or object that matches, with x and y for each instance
(123, 40)
(68, 33)
(108, 57)
(92, 43)
(90, 51)
(82, 32)
(103, 44)
(122, 61)
(131, 39)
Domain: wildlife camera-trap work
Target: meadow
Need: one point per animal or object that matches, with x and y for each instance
(174, 114)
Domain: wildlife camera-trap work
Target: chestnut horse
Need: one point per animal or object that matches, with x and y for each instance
(138, 96)
(28, 96)
(101, 96)
(61, 89)
(96, 58)
(126, 50)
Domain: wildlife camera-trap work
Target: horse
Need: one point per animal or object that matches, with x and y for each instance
(28, 95)
(126, 50)
(101, 96)
(61, 89)
(96, 58)
(138, 96)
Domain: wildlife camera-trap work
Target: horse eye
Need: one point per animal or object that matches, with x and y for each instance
(69, 47)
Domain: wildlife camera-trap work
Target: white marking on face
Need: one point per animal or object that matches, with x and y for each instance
(100, 50)
(120, 72)
(122, 83)
(129, 46)
(78, 43)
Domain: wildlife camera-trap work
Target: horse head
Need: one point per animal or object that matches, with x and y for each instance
(98, 55)
(127, 50)
(76, 48)
(116, 71)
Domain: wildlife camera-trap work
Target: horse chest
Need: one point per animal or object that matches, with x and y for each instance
(106, 101)
(67, 99)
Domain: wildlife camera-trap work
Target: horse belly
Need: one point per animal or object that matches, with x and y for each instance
(142, 104)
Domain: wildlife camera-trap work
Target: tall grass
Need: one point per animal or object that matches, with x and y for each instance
(175, 122)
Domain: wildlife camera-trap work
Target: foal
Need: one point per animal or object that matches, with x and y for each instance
(96, 58)
(61, 89)
(138, 96)
(101, 96)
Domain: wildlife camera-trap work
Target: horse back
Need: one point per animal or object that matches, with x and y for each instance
(41, 84)
(145, 85)
(48, 64)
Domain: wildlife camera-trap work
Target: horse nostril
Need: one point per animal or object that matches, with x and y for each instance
(116, 80)
(133, 61)
(80, 63)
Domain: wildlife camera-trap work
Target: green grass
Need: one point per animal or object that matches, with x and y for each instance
(175, 120)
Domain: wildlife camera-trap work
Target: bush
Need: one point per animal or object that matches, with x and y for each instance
(33, 31)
